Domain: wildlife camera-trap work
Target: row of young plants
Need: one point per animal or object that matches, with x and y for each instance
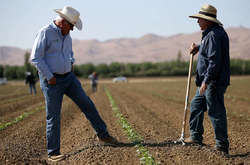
(133, 136)
(29, 111)
(21, 117)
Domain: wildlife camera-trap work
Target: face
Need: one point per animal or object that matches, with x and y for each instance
(203, 23)
(66, 27)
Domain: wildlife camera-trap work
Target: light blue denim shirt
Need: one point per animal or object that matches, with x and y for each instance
(52, 52)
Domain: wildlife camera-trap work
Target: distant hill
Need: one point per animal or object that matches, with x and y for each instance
(11, 55)
(149, 47)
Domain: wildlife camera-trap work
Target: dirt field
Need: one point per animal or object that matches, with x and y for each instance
(152, 108)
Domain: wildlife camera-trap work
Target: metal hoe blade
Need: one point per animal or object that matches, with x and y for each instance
(180, 141)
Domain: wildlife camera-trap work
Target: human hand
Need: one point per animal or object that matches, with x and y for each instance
(52, 81)
(203, 88)
(193, 49)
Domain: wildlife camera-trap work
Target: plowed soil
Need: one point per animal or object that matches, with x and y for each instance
(154, 109)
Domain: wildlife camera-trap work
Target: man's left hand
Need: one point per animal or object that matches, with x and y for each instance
(203, 88)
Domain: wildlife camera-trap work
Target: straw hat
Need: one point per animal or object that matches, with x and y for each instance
(71, 15)
(207, 12)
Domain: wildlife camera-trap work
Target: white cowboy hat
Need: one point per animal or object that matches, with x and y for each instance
(207, 12)
(71, 15)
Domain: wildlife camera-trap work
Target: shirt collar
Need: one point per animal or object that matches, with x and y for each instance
(205, 32)
(57, 29)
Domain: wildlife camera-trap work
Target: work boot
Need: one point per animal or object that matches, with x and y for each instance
(108, 140)
(190, 140)
(223, 150)
(56, 157)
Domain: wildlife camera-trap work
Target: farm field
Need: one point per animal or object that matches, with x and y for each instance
(145, 115)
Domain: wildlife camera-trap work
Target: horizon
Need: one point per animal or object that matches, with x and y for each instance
(112, 19)
(107, 40)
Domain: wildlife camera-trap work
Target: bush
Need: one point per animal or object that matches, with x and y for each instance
(171, 68)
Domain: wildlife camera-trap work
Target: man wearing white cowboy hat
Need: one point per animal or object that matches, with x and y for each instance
(52, 55)
(212, 79)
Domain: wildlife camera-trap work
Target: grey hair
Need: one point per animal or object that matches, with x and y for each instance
(59, 18)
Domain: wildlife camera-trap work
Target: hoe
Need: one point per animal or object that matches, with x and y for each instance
(181, 139)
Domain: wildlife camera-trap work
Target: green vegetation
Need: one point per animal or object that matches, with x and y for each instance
(19, 118)
(17, 72)
(143, 153)
(177, 67)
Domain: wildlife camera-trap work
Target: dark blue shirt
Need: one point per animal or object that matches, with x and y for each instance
(213, 60)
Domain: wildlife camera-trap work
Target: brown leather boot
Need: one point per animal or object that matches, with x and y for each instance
(223, 150)
(56, 157)
(109, 140)
(190, 140)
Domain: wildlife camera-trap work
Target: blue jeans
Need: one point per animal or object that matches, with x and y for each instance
(32, 88)
(94, 87)
(53, 94)
(213, 101)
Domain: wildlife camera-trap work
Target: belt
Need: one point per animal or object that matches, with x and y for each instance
(61, 75)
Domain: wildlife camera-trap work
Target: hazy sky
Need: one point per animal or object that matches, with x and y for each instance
(108, 19)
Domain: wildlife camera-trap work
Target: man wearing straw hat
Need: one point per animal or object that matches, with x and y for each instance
(212, 79)
(52, 55)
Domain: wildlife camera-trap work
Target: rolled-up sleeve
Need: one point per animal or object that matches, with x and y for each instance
(38, 53)
(214, 59)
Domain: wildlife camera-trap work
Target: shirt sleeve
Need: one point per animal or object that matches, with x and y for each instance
(198, 47)
(72, 58)
(38, 53)
(214, 58)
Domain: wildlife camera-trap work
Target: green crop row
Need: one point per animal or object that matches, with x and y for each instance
(143, 153)
(19, 118)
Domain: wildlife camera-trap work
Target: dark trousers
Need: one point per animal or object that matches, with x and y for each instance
(213, 102)
(94, 87)
(32, 87)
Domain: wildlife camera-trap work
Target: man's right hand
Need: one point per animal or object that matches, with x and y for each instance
(52, 81)
(193, 49)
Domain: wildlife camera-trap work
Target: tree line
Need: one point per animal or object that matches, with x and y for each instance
(177, 67)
